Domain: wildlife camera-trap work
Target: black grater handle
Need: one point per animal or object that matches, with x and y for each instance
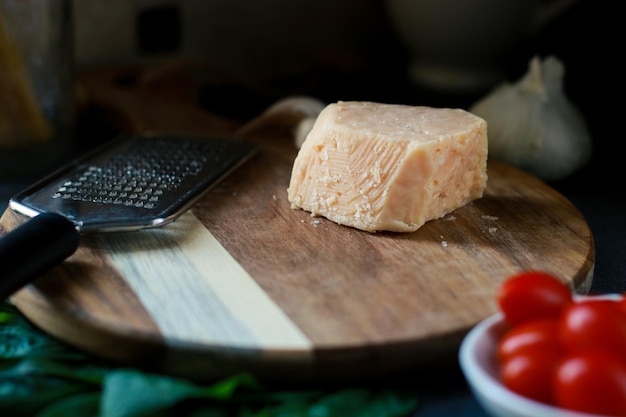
(34, 248)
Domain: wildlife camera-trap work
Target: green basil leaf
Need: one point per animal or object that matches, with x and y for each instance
(43, 377)
(130, 393)
(345, 403)
(226, 388)
(25, 396)
(81, 405)
(41, 367)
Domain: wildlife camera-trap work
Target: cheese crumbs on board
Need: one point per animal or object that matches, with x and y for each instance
(389, 167)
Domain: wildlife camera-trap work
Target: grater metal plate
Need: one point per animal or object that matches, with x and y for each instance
(135, 181)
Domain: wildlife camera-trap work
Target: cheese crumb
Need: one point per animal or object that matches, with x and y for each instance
(486, 217)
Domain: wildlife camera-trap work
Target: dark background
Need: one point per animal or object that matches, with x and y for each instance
(588, 38)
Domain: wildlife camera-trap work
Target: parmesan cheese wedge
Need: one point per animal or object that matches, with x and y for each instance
(375, 166)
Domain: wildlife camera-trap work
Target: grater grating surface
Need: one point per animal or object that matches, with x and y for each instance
(140, 175)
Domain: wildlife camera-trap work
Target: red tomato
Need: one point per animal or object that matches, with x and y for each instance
(540, 334)
(591, 381)
(530, 374)
(592, 323)
(532, 295)
(622, 303)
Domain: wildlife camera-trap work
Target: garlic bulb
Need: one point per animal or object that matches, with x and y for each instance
(532, 125)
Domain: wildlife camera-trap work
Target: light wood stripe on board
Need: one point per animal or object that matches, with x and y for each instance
(196, 291)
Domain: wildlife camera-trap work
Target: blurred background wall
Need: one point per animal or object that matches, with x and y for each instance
(248, 37)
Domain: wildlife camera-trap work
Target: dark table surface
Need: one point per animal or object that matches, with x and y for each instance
(589, 40)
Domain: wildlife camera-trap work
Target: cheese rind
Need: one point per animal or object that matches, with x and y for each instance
(376, 166)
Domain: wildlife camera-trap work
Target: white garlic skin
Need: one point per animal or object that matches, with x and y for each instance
(532, 125)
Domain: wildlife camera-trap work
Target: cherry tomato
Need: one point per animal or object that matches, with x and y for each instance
(592, 323)
(540, 334)
(532, 295)
(622, 303)
(591, 381)
(530, 374)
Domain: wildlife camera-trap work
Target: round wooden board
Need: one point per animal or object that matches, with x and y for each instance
(243, 282)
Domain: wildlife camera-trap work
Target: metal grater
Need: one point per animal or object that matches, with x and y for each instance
(134, 182)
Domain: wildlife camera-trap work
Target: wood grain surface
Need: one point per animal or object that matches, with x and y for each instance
(243, 282)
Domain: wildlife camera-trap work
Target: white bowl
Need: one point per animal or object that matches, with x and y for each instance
(477, 358)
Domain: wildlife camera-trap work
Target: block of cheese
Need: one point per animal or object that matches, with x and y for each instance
(392, 167)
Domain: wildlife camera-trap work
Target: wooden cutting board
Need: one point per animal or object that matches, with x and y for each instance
(243, 282)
